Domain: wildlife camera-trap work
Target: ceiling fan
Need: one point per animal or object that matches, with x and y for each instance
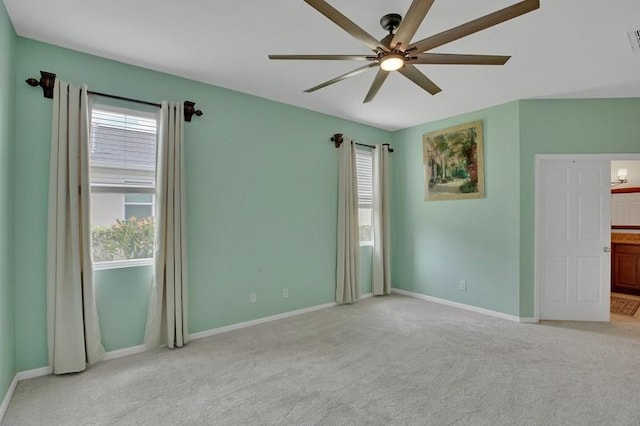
(395, 52)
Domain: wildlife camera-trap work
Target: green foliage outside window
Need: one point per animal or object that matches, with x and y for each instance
(366, 233)
(130, 238)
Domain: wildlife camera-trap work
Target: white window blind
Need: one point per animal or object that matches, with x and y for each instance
(364, 174)
(123, 149)
(364, 171)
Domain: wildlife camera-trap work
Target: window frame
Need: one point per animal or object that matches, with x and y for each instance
(151, 204)
(361, 152)
(139, 187)
(126, 263)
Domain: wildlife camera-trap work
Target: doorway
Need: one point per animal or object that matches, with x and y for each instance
(573, 236)
(625, 241)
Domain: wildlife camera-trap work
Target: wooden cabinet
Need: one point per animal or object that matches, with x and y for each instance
(625, 268)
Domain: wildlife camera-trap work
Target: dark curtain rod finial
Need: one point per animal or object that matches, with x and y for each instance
(47, 82)
(337, 139)
(190, 110)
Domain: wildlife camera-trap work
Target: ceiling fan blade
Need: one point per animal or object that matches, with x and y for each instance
(413, 74)
(409, 25)
(346, 24)
(325, 57)
(381, 76)
(342, 77)
(454, 59)
(476, 25)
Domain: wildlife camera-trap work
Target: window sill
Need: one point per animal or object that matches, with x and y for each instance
(366, 244)
(117, 264)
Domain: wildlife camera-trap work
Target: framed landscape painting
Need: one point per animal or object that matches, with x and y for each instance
(453, 163)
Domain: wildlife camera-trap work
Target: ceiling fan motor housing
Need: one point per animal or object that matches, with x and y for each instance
(390, 21)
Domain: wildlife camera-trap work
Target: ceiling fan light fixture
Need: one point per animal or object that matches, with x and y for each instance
(392, 62)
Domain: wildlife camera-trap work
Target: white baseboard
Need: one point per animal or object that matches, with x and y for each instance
(45, 371)
(465, 306)
(36, 372)
(219, 330)
(7, 397)
(226, 328)
(124, 352)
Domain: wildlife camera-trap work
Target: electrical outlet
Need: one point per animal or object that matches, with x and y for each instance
(252, 297)
(285, 292)
(463, 285)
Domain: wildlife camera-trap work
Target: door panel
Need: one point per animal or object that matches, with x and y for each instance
(589, 218)
(588, 276)
(555, 213)
(555, 279)
(573, 228)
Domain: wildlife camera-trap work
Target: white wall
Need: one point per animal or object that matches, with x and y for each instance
(106, 207)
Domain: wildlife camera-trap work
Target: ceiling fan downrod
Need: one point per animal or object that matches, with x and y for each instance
(395, 58)
(390, 22)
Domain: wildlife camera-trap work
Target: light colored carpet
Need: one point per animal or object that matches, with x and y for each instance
(385, 361)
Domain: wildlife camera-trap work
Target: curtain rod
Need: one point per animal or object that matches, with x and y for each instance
(337, 139)
(48, 79)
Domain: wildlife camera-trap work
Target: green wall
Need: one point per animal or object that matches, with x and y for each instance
(122, 298)
(7, 97)
(436, 244)
(570, 126)
(490, 242)
(261, 179)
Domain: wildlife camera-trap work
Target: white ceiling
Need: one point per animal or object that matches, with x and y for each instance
(567, 48)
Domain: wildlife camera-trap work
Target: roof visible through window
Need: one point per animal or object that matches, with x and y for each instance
(122, 140)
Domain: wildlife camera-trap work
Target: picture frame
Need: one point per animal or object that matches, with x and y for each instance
(454, 162)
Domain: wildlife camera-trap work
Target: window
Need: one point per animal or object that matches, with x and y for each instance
(123, 181)
(138, 205)
(364, 170)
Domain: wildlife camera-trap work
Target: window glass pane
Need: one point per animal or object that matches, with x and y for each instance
(106, 208)
(364, 171)
(139, 211)
(122, 140)
(123, 157)
(138, 198)
(365, 216)
(123, 148)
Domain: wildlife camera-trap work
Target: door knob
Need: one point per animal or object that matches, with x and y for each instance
(606, 250)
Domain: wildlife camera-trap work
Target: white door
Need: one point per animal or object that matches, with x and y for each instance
(573, 230)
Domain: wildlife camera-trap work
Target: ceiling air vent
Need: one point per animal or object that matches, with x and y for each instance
(634, 39)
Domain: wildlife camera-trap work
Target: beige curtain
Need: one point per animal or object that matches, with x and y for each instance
(72, 319)
(167, 316)
(348, 250)
(381, 240)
